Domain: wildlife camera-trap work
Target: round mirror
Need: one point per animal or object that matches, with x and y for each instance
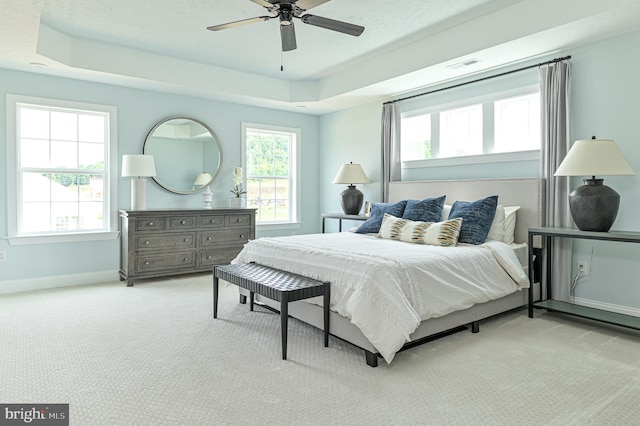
(184, 150)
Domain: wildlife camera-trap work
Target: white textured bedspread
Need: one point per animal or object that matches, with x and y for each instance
(387, 287)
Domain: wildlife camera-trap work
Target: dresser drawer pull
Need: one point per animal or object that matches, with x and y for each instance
(209, 257)
(186, 240)
(241, 236)
(239, 220)
(209, 238)
(186, 259)
(184, 222)
(150, 223)
(212, 221)
(147, 242)
(147, 262)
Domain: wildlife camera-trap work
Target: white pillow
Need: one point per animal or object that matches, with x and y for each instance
(510, 224)
(446, 209)
(496, 232)
(432, 233)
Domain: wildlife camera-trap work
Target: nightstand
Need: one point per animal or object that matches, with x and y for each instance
(341, 217)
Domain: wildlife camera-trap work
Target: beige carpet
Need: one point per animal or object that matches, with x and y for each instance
(153, 355)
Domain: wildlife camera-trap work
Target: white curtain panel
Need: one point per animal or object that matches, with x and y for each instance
(555, 97)
(391, 165)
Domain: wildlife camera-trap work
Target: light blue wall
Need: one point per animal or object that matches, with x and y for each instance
(138, 111)
(605, 103)
(606, 89)
(351, 135)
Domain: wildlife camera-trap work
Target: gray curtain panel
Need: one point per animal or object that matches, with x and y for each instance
(555, 97)
(391, 166)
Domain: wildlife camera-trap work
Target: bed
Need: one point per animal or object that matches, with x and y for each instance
(383, 292)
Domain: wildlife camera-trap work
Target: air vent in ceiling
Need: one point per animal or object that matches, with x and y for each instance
(463, 64)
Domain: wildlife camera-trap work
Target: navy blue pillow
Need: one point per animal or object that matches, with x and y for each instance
(427, 210)
(378, 210)
(476, 218)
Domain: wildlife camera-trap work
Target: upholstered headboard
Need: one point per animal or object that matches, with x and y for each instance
(528, 193)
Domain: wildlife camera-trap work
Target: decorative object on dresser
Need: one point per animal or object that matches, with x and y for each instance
(159, 243)
(594, 206)
(203, 181)
(238, 190)
(351, 198)
(138, 166)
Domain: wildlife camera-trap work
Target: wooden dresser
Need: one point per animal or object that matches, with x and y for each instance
(159, 243)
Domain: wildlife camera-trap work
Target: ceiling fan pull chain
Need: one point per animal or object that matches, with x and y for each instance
(281, 61)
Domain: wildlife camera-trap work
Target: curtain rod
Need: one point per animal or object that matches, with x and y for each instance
(480, 79)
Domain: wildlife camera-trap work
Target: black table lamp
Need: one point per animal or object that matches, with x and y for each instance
(351, 198)
(594, 205)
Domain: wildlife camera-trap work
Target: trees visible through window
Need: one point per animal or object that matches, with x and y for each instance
(271, 171)
(61, 169)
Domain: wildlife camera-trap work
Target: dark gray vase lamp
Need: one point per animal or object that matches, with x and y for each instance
(594, 205)
(351, 198)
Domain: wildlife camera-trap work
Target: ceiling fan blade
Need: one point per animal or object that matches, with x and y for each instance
(263, 3)
(288, 35)
(309, 4)
(332, 24)
(238, 23)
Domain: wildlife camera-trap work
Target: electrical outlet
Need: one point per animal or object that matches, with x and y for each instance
(583, 267)
(3, 256)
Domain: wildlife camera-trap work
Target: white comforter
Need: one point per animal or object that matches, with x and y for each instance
(387, 287)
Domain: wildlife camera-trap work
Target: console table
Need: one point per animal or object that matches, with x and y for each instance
(158, 243)
(548, 234)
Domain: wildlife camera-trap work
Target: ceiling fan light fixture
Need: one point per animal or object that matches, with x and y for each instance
(285, 11)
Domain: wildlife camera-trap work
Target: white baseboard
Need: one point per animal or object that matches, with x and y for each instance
(626, 310)
(16, 286)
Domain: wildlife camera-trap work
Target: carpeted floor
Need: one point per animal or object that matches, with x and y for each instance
(153, 355)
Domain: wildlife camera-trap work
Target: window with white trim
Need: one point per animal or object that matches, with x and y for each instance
(271, 161)
(60, 167)
(494, 125)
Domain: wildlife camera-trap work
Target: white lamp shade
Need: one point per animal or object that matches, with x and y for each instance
(203, 179)
(594, 157)
(351, 174)
(138, 165)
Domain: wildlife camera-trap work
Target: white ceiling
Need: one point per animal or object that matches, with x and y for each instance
(164, 44)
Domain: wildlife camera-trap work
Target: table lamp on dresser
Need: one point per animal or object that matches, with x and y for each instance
(139, 167)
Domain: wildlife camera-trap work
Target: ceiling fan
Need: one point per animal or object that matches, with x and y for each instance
(286, 10)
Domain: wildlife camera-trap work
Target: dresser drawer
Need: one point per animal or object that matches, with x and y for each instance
(221, 256)
(238, 235)
(238, 220)
(185, 240)
(212, 221)
(160, 262)
(183, 222)
(150, 223)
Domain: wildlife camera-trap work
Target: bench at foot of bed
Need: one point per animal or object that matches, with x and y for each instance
(274, 284)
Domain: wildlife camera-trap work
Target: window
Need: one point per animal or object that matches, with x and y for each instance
(517, 123)
(271, 167)
(494, 125)
(416, 137)
(62, 168)
(461, 131)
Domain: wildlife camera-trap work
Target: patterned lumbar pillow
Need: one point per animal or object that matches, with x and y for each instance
(432, 233)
